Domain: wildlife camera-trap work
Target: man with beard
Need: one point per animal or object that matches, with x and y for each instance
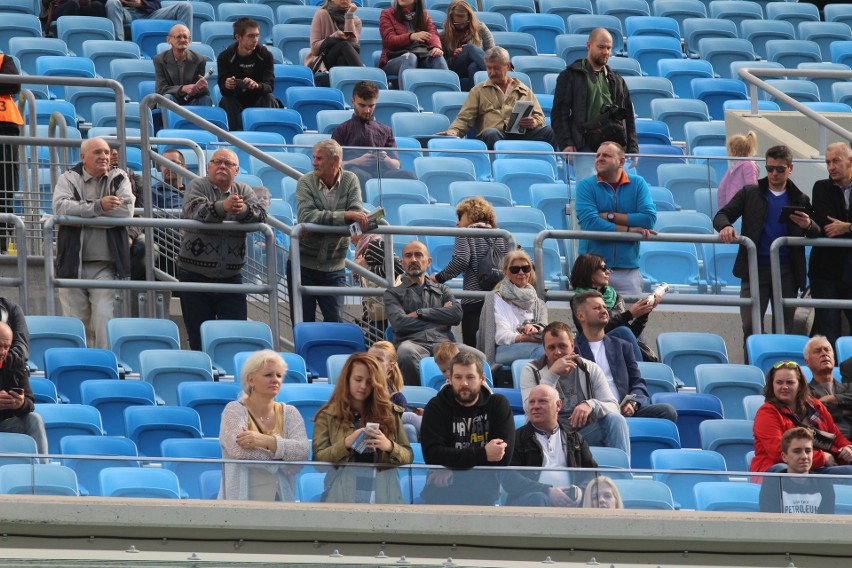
(836, 396)
(464, 426)
(830, 269)
(364, 131)
(421, 313)
(490, 105)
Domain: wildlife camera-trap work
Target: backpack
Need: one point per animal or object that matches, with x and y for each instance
(489, 270)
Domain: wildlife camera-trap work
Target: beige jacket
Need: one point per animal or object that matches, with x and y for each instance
(488, 107)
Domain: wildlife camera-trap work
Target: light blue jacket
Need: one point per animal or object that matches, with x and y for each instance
(633, 198)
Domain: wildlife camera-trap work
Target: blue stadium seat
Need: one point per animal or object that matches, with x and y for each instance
(733, 438)
(721, 52)
(650, 131)
(648, 435)
(334, 364)
(221, 339)
(272, 177)
(44, 391)
(369, 16)
(148, 426)
(706, 200)
(37, 479)
(649, 50)
(296, 369)
(315, 341)
(825, 84)
(12, 444)
(189, 472)
(418, 396)
(495, 21)
(15, 25)
(552, 199)
(584, 24)
(841, 52)
(536, 67)
(64, 66)
(655, 155)
(801, 90)
(29, 49)
(130, 73)
(432, 216)
(565, 8)
(62, 420)
(714, 93)
(793, 13)
(662, 198)
(295, 14)
(719, 264)
(728, 497)
(790, 52)
(681, 72)
(673, 263)
(391, 195)
(284, 121)
(110, 398)
(209, 484)
(328, 120)
(683, 351)
(508, 7)
(623, 9)
(438, 172)
(635, 26)
(838, 12)
(682, 484)
(692, 410)
(704, 134)
(74, 30)
(430, 374)
(344, 78)
(497, 194)
(553, 272)
(103, 51)
(516, 43)
(391, 102)
(415, 124)
(735, 67)
(425, 82)
(290, 38)
(765, 350)
(751, 404)
(310, 100)
(611, 459)
(47, 332)
(645, 494)
(715, 157)
(287, 76)
(677, 113)
(68, 367)
(307, 399)
(165, 370)
(129, 337)
(696, 29)
(758, 32)
(471, 149)
(645, 89)
(371, 46)
(139, 482)
(736, 10)
(679, 10)
(570, 48)
(260, 13)
(658, 377)
(520, 174)
(543, 27)
(147, 34)
(117, 451)
(625, 66)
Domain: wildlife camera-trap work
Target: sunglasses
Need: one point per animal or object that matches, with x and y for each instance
(605, 268)
(776, 169)
(526, 269)
(785, 365)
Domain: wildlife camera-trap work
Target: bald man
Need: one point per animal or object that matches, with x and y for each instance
(16, 396)
(421, 312)
(92, 188)
(180, 72)
(214, 256)
(584, 90)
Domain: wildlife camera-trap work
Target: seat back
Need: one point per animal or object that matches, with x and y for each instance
(646, 494)
(683, 351)
(189, 472)
(316, 341)
(734, 439)
(731, 384)
(692, 410)
(129, 337)
(68, 367)
(208, 400)
(117, 451)
(222, 339)
(68, 419)
(728, 496)
(148, 426)
(647, 435)
(110, 398)
(767, 349)
(139, 482)
(307, 399)
(691, 461)
(11, 444)
(38, 479)
(166, 369)
(47, 332)
(658, 377)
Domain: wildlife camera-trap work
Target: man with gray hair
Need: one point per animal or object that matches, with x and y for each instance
(836, 396)
(328, 195)
(830, 269)
(92, 188)
(489, 106)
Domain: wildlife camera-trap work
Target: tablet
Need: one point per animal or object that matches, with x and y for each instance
(788, 210)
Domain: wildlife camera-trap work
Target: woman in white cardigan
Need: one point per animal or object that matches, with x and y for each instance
(258, 428)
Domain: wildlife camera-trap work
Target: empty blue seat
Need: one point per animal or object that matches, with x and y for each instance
(735, 10)
(103, 51)
(130, 73)
(148, 426)
(62, 420)
(658, 377)
(308, 101)
(570, 48)
(287, 76)
(334, 365)
(110, 398)
(647, 435)
(415, 124)
(37, 479)
(790, 52)
(625, 66)
(536, 67)
(649, 50)
(676, 113)
(521, 173)
(622, 9)
(645, 89)
(139, 482)
(28, 49)
(117, 451)
(552, 199)
(543, 27)
(391, 102)
(714, 93)
(315, 341)
(44, 391)
(418, 396)
(727, 496)
(674, 263)
(691, 461)
(662, 198)
(645, 494)
(683, 351)
(508, 7)
(307, 399)
(284, 121)
(74, 30)
(497, 194)
(516, 43)
(221, 339)
(720, 52)
(751, 404)
(681, 72)
(841, 52)
(730, 437)
(692, 410)
(825, 84)
(391, 195)
(68, 367)
(438, 172)
(704, 134)
(430, 374)
(649, 131)
(47, 332)
(654, 155)
(794, 13)
(165, 370)
(759, 32)
(295, 14)
(651, 25)
(128, 337)
(767, 349)
(204, 454)
(731, 383)
(471, 149)
(425, 82)
(801, 90)
(64, 66)
(611, 459)
(679, 10)
(12, 444)
(15, 25)
(696, 29)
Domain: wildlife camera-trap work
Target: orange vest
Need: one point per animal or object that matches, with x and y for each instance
(8, 107)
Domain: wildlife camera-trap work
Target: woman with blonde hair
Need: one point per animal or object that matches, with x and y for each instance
(741, 172)
(256, 427)
(468, 252)
(513, 315)
(359, 424)
(465, 40)
(385, 354)
(602, 493)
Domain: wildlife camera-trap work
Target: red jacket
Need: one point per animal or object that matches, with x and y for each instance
(395, 34)
(770, 424)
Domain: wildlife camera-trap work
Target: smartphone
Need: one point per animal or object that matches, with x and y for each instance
(572, 492)
(372, 426)
(16, 390)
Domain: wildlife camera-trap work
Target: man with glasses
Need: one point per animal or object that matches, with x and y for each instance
(615, 202)
(122, 12)
(246, 73)
(215, 256)
(766, 215)
(180, 71)
(831, 268)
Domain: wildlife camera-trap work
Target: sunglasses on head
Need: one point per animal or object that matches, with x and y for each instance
(525, 269)
(776, 169)
(785, 365)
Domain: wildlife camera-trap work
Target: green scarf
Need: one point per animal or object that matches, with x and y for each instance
(608, 292)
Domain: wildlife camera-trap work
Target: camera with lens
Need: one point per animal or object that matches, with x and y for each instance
(614, 112)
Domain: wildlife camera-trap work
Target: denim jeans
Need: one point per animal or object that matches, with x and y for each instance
(399, 64)
(330, 306)
(610, 431)
(508, 354)
(30, 424)
(119, 15)
(199, 307)
(470, 60)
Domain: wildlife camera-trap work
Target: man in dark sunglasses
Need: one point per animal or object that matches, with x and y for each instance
(772, 208)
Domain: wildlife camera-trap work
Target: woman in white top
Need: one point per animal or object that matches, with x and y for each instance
(514, 307)
(256, 427)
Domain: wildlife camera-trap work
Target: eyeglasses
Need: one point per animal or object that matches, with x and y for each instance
(604, 268)
(776, 169)
(526, 269)
(228, 164)
(785, 365)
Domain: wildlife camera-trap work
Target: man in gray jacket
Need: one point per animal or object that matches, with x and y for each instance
(180, 71)
(588, 405)
(215, 256)
(421, 313)
(92, 188)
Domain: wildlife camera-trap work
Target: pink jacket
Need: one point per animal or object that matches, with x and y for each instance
(743, 174)
(322, 28)
(395, 34)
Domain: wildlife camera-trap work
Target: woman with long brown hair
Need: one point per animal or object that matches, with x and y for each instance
(465, 40)
(360, 425)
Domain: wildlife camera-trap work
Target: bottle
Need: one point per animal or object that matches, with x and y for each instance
(11, 249)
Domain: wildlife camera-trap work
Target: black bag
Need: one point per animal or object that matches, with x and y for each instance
(489, 270)
(420, 50)
(608, 126)
(822, 440)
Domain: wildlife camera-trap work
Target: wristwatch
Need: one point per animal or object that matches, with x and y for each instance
(419, 314)
(610, 216)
